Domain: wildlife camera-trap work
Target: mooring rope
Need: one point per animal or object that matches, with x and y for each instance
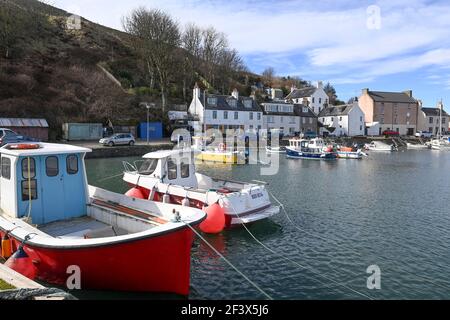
(228, 262)
(300, 229)
(295, 262)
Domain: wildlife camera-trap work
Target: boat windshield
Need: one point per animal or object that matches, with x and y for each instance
(148, 166)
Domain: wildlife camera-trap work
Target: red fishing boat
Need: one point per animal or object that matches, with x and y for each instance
(61, 228)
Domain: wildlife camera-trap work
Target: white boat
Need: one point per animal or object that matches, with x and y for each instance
(171, 176)
(350, 153)
(417, 146)
(310, 149)
(379, 146)
(441, 143)
(270, 149)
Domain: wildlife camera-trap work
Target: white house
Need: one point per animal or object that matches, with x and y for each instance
(289, 118)
(345, 120)
(314, 97)
(224, 112)
(428, 120)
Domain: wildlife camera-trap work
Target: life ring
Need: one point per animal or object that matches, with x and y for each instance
(24, 146)
(222, 147)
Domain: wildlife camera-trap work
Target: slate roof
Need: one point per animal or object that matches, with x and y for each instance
(336, 111)
(434, 112)
(298, 109)
(396, 97)
(301, 93)
(222, 103)
(272, 113)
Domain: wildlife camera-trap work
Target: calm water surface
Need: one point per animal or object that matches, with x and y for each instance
(391, 210)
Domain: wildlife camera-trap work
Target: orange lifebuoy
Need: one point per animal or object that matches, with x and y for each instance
(222, 147)
(24, 146)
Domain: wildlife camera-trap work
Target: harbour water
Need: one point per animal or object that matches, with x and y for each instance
(390, 209)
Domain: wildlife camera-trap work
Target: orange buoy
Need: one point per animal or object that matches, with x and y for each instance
(135, 193)
(215, 219)
(6, 246)
(21, 262)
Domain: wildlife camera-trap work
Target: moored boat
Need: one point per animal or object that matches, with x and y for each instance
(379, 146)
(314, 149)
(349, 153)
(219, 154)
(417, 146)
(51, 215)
(270, 149)
(171, 176)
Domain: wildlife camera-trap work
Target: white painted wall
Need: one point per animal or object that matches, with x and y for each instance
(290, 124)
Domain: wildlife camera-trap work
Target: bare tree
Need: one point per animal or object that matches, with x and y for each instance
(158, 38)
(11, 27)
(214, 43)
(268, 75)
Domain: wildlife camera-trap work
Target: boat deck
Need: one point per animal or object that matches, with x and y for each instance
(83, 227)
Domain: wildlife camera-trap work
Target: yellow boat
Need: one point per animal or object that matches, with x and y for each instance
(218, 156)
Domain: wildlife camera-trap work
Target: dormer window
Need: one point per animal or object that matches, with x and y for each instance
(305, 109)
(232, 103)
(212, 101)
(248, 103)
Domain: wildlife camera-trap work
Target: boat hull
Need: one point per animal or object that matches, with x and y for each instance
(155, 264)
(349, 155)
(231, 158)
(310, 155)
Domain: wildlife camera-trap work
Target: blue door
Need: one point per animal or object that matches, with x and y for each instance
(52, 177)
(74, 186)
(29, 182)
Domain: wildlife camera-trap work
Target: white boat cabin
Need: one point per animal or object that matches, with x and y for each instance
(42, 181)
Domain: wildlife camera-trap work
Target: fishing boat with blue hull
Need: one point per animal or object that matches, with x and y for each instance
(314, 149)
(54, 221)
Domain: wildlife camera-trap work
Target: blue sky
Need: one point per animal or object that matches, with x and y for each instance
(385, 45)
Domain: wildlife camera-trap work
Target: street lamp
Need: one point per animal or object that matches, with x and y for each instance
(148, 106)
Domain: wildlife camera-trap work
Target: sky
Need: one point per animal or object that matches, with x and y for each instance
(385, 45)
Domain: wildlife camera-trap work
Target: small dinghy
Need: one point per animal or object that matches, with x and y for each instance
(350, 153)
(417, 146)
(379, 146)
(58, 224)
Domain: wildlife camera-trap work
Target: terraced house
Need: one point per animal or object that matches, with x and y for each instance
(289, 118)
(397, 111)
(314, 97)
(429, 119)
(225, 112)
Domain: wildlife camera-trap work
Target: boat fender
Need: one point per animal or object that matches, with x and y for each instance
(185, 202)
(215, 219)
(6, 246)
(135, 193)
(22, 263)
(166, 198)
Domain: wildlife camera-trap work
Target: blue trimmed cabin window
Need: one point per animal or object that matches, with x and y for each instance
(26, 170)
(52, 166)
(172, 169)
(184, 168)
(6, 168)
(29, 186)
(72, 164)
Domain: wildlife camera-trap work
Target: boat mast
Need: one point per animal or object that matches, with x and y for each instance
(440, 119)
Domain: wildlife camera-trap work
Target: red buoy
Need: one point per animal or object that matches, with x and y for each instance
(215, 219)
(135, 193)
(22, 263)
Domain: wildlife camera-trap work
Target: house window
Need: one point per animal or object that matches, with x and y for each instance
(251, 115)
(51, 166)
(236, 115)
(31, 170)
(340, 118)
(320, 100)
(304, 120)
(6, 168)
(270, 119)
(248, 103)
(310, 120)
(360, 128)
(361, 118)
(431, 120)
(232, 103)
(281, 119)
(332, 119)
(259, 116)
(430, 129)
(443, 121)
(323, 119)
(313, 99)
(214, 114)
(29, 188)
(212, 101)
(171, 169)
(184, 168)
(72, 164)
(305, 109)
(225, 115)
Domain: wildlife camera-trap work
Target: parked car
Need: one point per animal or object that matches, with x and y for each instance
(390, 133)
(118, 139)
(9, 136)
(424, 134)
